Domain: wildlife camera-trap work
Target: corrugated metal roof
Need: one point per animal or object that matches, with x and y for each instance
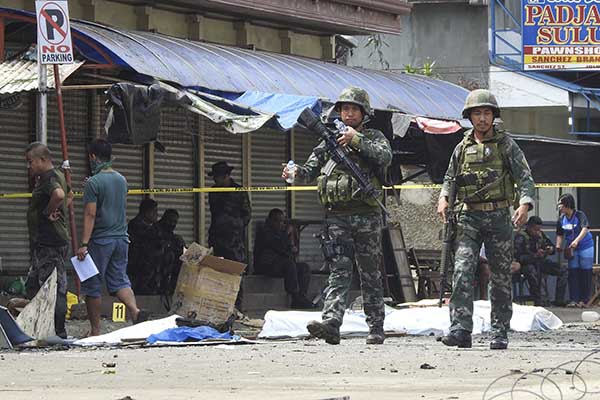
(22, 75)
(231, 69)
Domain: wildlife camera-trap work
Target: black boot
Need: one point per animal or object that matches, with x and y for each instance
(459, 338)
(499, 343)
(376, 336)
(300, 302)
(324, 330)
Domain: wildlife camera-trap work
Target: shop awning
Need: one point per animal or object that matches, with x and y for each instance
(235, 70)
(221, 69)
(21, 75)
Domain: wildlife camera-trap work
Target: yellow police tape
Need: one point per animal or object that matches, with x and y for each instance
(288, 188)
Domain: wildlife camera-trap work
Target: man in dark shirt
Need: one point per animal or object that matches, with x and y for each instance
(138, 229)
(532, 247)
(274, 256)
(165, 247)
(48, 232)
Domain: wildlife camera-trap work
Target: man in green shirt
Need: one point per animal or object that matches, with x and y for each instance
(48, 232)
(105, 236)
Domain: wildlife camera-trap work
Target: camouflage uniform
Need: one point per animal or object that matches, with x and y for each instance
(230, 213)
(493, 227)
(526, 247)
(49, 243)
(352, 224)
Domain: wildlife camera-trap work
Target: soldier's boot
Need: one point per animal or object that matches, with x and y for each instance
(499, 343)
(324, 330)
(376, 336)
(459, 338)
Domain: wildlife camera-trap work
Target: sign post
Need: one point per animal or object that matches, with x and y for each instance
(55, 47)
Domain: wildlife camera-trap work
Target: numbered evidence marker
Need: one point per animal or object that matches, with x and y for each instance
(118, 312)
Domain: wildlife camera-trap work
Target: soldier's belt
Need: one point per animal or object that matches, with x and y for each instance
(487, 206)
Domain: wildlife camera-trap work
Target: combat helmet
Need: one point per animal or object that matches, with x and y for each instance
(480, 98)
(357, 96)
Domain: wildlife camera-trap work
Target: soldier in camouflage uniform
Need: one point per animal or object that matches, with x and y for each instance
(353, 222)
(230, 214)
(532, 248)
(485, 167)
(48, 233)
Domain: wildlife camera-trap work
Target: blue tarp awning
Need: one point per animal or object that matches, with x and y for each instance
(287, 107)
(232, 71)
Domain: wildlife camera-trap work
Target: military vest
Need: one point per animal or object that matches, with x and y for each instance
(484, 175)
(340, 188)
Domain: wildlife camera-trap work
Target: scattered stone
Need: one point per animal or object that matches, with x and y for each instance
(79, 311)
(427, 366)
(516, 371)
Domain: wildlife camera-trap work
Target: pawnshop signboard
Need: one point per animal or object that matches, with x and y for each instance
(561, 34)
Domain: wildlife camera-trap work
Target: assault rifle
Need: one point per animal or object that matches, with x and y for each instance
(339, 155)
(449, 237)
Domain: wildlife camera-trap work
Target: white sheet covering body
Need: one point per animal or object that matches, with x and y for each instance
(412, 321)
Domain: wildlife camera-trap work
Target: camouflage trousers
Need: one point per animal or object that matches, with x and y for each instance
(43, 261)
(494, 228)
(231, 246)
(356, 238)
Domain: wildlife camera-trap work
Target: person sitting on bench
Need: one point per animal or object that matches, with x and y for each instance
(274, 256)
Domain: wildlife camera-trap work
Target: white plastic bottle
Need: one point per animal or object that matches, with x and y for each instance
(590, 316)
(291, 167)
(340, 126)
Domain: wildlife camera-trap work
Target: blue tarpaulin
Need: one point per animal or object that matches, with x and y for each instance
(287, 107)
(187, 334)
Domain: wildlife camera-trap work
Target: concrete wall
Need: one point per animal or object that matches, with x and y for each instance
(219, 31)
(114, 14)
(265, 38)
(184, 25)
(544, 121)
(453, 35)
(307, 45)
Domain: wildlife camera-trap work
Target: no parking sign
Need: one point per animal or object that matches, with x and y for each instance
(53, 32)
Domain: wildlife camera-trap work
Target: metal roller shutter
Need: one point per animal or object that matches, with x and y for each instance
(129, 161)
(308, 206)
(220, 145)
(175, 167)
(75, 105)
(15, 128)
(268, 149)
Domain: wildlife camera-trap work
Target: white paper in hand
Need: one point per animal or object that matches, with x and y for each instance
(85, 269)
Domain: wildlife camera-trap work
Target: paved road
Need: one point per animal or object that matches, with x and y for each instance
(308, 369)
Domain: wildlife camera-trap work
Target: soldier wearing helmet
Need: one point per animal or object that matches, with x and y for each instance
(484, 169)
(352, 229)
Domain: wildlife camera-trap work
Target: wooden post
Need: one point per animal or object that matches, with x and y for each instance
(2, 45)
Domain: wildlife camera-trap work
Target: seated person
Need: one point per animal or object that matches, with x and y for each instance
(138, 229)
(532, 248)
(274, 256)
(161, 253)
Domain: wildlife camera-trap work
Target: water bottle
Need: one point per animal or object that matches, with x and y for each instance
(291, 167)
(340, 125)
(590, 316)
